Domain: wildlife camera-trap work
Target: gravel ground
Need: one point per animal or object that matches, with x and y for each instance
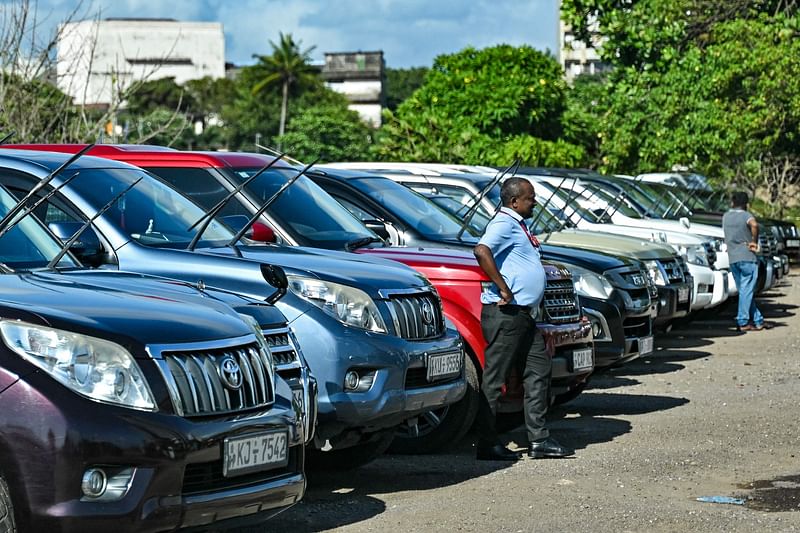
(712, 412)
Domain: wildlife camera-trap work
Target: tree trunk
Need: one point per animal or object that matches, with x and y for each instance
(284, 105)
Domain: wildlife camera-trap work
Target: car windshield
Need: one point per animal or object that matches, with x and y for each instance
(28, 245)
(416, 211)
(564, 197)
(609, 202)
(151, 213)
(478, 219)
(304, 208)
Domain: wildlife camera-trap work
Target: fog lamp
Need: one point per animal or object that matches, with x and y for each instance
(597, 329)
(106, 484)
(358, 380)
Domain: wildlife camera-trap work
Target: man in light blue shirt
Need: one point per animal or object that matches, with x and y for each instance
(510, 256)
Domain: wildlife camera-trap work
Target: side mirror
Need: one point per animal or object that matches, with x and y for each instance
(88, 248)
(378, 227)
(275, 276)
(258, 231)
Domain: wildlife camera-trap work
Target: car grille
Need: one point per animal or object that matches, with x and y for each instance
(711, 253)
(199, 478)
(561, 302)
(636, 283)
(417, 316)
(199, 386)
(282, 345)
(674, 270)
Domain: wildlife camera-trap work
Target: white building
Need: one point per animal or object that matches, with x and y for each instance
(360, 77)
(98, 59)
(576, 56)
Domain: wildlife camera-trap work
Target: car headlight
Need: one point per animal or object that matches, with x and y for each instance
(655, 273)
(95, 368)
(588, 283)
(347, 304)
(695, 255)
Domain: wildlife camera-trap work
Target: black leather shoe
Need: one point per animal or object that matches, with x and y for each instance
(548, 448)
(498, 452)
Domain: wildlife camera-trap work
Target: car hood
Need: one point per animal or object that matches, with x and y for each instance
(611, 243)
(367, 273)
(121, 307)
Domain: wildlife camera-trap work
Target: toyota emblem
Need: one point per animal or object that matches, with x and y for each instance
(231, 373)
(427, 312)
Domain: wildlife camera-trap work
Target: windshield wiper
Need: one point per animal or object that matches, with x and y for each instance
(209, 215)
(5, 139)
(360, 243)
(65, 247)
(270, 200)
(488, 187)
(547, 202)
(36, 188)
(32, 208)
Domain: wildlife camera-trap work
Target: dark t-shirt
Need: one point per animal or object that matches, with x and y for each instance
(738, 235)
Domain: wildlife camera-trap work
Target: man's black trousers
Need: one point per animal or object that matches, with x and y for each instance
(514, 342)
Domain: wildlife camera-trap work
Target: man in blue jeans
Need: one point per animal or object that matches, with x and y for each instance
(741, 237)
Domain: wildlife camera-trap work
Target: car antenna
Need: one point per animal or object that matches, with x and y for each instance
(5, 139)
(209, 215)
(28, 210)
(269, 202)
(20, 205)
(65, 247)
(483, 192)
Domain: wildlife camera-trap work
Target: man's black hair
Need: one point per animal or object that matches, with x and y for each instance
(739, 199)
(511, 188)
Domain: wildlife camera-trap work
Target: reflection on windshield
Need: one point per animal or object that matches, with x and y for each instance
(315, 217)
(27, 245)
(430, 220)
(151, 213)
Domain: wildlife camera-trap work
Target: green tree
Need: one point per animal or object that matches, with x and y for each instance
(330, 132)
(162, 93)
(587, 102)
(473, 103)
(286, 67)
(401, 83)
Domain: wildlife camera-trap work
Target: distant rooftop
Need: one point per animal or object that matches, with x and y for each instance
(142, 19)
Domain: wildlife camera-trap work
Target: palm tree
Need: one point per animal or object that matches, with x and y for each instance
(286, 66)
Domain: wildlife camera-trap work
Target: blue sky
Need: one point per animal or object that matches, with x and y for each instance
(410, 32)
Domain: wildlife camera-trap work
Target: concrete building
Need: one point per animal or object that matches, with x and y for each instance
(98, 59)
(360, 77)
(576, 56)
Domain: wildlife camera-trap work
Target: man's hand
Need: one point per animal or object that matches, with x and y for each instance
(505, 296)
(752, 246)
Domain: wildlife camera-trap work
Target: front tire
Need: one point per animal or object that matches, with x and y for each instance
(442, 428)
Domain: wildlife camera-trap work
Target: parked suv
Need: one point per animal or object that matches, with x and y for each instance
(130, 403)
(372, 331)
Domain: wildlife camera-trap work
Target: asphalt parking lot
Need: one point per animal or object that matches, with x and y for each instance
(712, 413)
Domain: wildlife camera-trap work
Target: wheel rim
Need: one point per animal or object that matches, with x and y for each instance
(427, 423)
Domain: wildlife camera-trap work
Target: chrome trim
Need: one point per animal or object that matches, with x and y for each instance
(603, 324)
(388, 293)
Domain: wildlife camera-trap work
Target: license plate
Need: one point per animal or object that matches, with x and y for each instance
(793, 243)
(683, 294)
(582, 359)
(645, 345)
(255, 452)
(444, 365)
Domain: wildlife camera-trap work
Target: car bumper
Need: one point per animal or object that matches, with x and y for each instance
(670, 305)
(702, 293)
(566, 343)
(721, 290)
(620, 330)
(178, 463)
(399, 388)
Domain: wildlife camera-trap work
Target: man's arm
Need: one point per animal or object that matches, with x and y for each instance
(752, 223)
(486, 261)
